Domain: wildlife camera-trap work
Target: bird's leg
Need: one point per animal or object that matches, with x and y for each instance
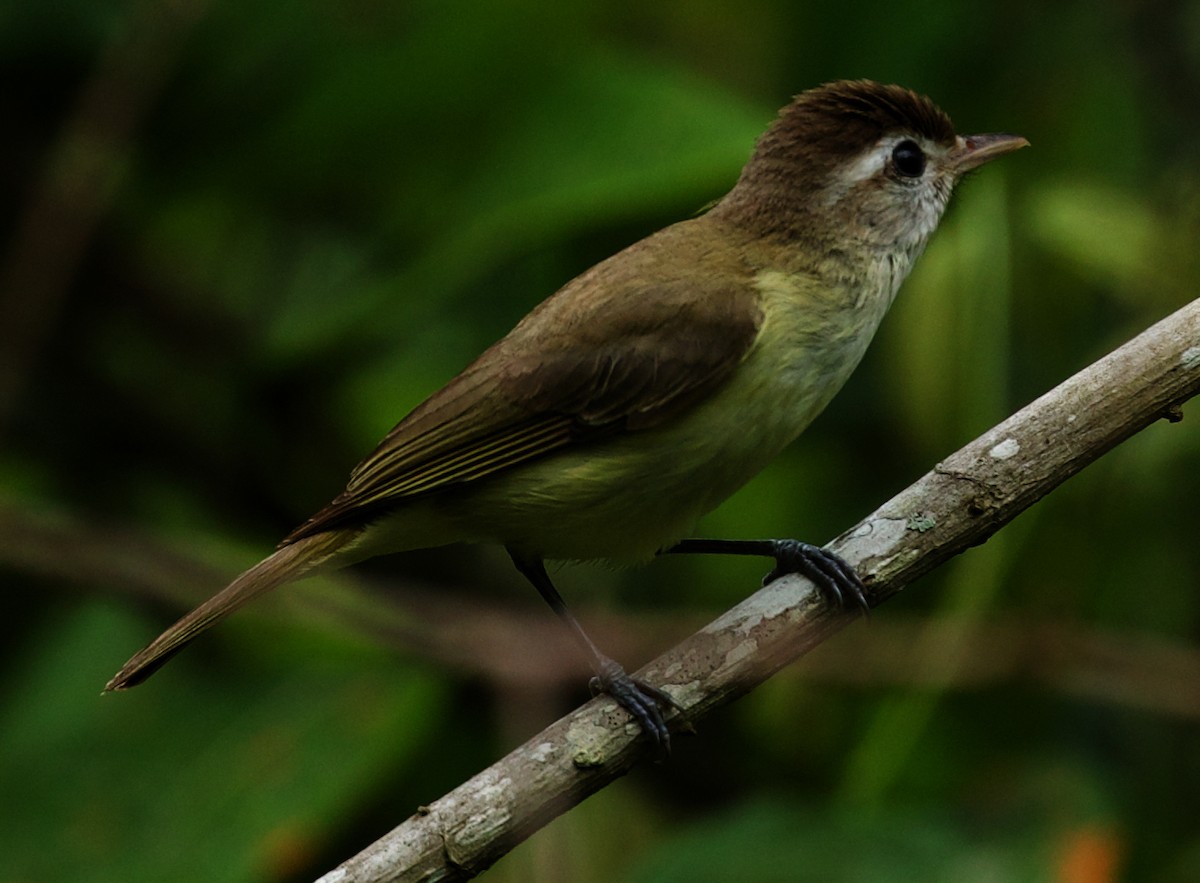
(828, 571)
(644, 702)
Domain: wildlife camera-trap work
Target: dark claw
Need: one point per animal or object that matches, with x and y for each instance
(644, 702)
(828, 571)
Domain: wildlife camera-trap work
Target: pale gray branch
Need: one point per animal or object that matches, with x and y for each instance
(964, 500)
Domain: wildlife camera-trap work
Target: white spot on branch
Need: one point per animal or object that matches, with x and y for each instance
(1010, 447)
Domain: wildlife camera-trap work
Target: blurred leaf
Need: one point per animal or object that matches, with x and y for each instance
(215, 779)
(1106, 233)
(769, 841)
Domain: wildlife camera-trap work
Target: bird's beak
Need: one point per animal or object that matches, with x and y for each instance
(972, 151)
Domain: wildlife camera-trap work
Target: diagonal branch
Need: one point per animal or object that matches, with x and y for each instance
(963, 501)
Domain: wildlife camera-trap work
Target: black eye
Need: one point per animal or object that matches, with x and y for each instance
(908, 160)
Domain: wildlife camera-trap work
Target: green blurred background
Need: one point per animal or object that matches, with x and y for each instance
(238, 241)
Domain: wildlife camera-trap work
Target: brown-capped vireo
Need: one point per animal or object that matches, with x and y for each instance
(652, 386)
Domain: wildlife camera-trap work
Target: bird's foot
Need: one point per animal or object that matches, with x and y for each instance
(828, 571)
(644, 702)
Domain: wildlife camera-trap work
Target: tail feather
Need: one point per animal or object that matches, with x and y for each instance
(287, 564)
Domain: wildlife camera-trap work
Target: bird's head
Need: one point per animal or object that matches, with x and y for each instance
(858, 164)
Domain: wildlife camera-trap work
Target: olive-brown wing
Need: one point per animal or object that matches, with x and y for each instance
(603, 356)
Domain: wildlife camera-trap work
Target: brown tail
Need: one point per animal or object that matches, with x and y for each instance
(288, 563)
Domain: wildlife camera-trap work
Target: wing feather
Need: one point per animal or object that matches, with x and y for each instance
(637, 339)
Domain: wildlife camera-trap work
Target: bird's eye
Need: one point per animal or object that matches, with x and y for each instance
(908, 160)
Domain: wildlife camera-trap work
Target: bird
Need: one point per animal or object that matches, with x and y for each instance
(652, 386)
